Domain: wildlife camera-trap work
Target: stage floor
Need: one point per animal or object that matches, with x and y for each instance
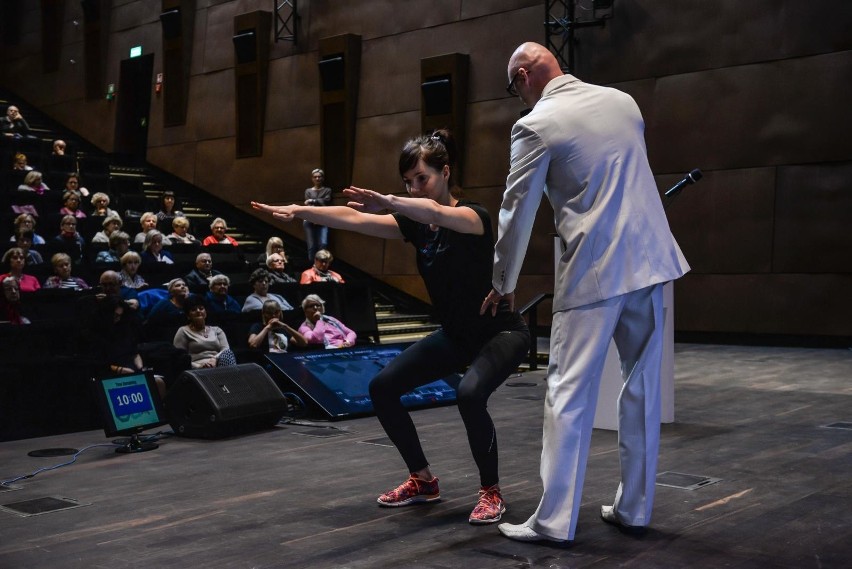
(754, 417)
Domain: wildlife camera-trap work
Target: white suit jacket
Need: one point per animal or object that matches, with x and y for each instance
(583, 146)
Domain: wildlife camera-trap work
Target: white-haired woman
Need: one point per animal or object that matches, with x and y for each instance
(148, 221)
(318, 195)
(319, 328)
(153, 249)
(218, 229)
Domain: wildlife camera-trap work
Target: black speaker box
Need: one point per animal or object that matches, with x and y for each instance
(224, 401)
(245, 46)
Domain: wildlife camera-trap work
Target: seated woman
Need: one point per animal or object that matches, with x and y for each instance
(26, 222)
(174, 304)
(19, 162)
(72, 184)
(321, 272)
(10, 302)
(321, 329)
(100, 205)
(62, 278)
(33, 183)
(217, 298)
(218, 228)
(276, 265)
(207, 345)
(16, 259)
(153, 252)
(110, 224)
(148, 220)
(169, 209)
(259, 280)
(180, 232)
(119, 244)
(130, 276)
(24, 240)
(71, 205)
(69, 236)
(273, 335)
(273, 245)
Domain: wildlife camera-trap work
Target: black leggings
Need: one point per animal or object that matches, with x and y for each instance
(437, 356)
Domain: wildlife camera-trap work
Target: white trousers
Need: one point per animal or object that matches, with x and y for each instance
(580, 338)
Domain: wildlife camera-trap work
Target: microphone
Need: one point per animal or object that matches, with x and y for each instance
(690, 178)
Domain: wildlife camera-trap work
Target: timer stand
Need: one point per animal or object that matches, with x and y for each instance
(135, 445)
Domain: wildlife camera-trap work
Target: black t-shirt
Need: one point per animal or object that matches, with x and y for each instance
(456, 268)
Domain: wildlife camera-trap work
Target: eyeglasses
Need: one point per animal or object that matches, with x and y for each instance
(510, 88)
(314, 306)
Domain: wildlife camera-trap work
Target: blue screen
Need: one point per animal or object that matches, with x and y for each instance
(130, 401)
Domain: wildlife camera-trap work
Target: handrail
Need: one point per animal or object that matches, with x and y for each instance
(531, 311)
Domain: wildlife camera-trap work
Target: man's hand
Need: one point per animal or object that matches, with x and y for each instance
(492, 301)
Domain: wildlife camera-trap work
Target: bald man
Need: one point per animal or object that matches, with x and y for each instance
(583, 146)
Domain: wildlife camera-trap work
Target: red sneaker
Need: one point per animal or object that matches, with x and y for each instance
(490, 507)
(412, 491)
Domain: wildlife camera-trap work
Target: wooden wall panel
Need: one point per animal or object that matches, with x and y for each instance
(775, 113)
(813, 216)
(724, 222)
(764, 304)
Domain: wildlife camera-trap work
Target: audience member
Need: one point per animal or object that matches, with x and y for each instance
(59, 147)
(168, 207)
(180, 232)
(148, 220)
(10, 303)
(259, 280)
(318, 195)
(110, 285)
(173, 305)
(69, 236)
(218, 227)
(71, 205)
(27, 222)
(130, 276)
(24, 240)
(13, 124)
(16, 258)
(200, 275)
(119, 244)
(218, 299)
(154, 252)
(273, 335)
(118, 335)
(72, 184)
(206, 345)
(100, 205)
(19, 162)
(62, 278)
(33, 183)
(318, 328)
(320, 272)
(111, 224)
(273, 245)
(276, 264)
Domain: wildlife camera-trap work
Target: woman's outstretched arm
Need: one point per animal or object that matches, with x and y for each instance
(422, 210)
(336, 217)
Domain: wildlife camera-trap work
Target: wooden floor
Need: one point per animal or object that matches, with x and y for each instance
(753, 417)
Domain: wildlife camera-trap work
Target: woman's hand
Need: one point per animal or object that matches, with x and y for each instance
(367, 200)
(283, 212)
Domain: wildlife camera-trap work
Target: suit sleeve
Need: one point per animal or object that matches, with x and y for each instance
(524, 188)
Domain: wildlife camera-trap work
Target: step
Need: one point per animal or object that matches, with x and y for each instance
(393, 317)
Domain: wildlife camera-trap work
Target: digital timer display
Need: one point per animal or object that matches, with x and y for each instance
(130, 401)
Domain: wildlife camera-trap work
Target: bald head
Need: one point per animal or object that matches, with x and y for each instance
(533, 66)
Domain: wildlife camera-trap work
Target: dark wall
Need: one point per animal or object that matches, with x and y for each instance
(755, 94)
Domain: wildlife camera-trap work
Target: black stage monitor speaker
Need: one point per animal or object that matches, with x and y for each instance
(224, 401)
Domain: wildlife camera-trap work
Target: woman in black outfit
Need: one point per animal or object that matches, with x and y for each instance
(455, 250)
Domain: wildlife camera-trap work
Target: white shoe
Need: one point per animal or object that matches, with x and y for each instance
(521, 532)
(608, 515)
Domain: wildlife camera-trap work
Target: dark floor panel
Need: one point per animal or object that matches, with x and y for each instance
(754, 417)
